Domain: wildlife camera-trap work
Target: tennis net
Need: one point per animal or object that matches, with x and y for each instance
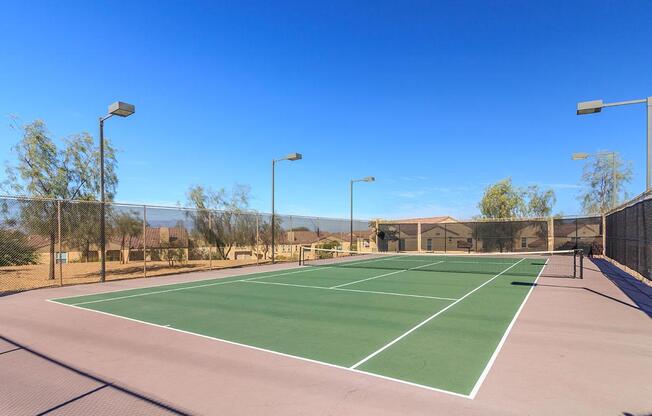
(565, 263)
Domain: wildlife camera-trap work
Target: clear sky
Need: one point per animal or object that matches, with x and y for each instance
(435, 99)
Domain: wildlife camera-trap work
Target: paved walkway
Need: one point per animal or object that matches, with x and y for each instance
(579, 347)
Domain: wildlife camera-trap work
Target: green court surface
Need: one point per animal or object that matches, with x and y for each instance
(433, 321)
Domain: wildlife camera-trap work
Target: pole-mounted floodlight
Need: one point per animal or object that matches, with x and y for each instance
(596, 106)
(119, 109)
(291, 157)
(584, 156)
(365, 179)
(580, 156)
(589, 107)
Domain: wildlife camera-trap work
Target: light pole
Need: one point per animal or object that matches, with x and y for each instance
(116, 109)
(366, 179)
(596, 106)
(584, 156)
(291, 157)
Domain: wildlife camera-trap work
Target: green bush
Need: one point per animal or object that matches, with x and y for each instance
(15, 249)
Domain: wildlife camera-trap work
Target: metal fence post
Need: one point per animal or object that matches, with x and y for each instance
(604, 234)
(377, 230)
(210, 249)
(144, 240)
(257, 240)
(59, 235)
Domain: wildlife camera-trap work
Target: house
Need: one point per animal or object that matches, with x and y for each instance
(408, 234)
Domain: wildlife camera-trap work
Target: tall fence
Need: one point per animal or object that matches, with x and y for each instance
(579, 233)
(47, 242)
(629, 235)
(493, 236)
(52, 242)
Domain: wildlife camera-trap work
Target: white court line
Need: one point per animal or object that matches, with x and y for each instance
(383, 275)
(430, 318)
(451, 261)
(370, 260)
(185, 287)
(490, 363)
(396, 380)
(352, 290)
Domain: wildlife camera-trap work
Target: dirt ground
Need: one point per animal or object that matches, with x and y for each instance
(18, 278)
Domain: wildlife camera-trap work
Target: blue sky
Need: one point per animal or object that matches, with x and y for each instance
(435, 99)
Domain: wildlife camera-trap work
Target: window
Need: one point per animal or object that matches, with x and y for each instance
(429, 244)
(401, 244)
(523, 242)
(62, 258)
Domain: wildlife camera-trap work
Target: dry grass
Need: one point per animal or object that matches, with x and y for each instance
(17, 278)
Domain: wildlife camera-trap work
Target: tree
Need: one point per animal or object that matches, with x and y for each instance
(538, 202)
(80, 224)
(15, 250)
(265, 233)
(604, 180)
(504, 200)
(220, 219)
(127, 226)
(501, 200)
(43, 170)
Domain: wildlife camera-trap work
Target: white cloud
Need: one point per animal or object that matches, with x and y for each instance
(411, 194)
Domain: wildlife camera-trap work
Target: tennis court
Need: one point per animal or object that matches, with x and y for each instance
(435, 321)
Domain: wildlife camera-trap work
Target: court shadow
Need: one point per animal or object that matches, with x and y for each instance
(637, 291)
(142, 404)
(595, 292)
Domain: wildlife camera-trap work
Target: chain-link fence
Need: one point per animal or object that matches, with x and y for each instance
(583, 233)
(50, 243)
(518, 235)
(465, 236)
(629, 235)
